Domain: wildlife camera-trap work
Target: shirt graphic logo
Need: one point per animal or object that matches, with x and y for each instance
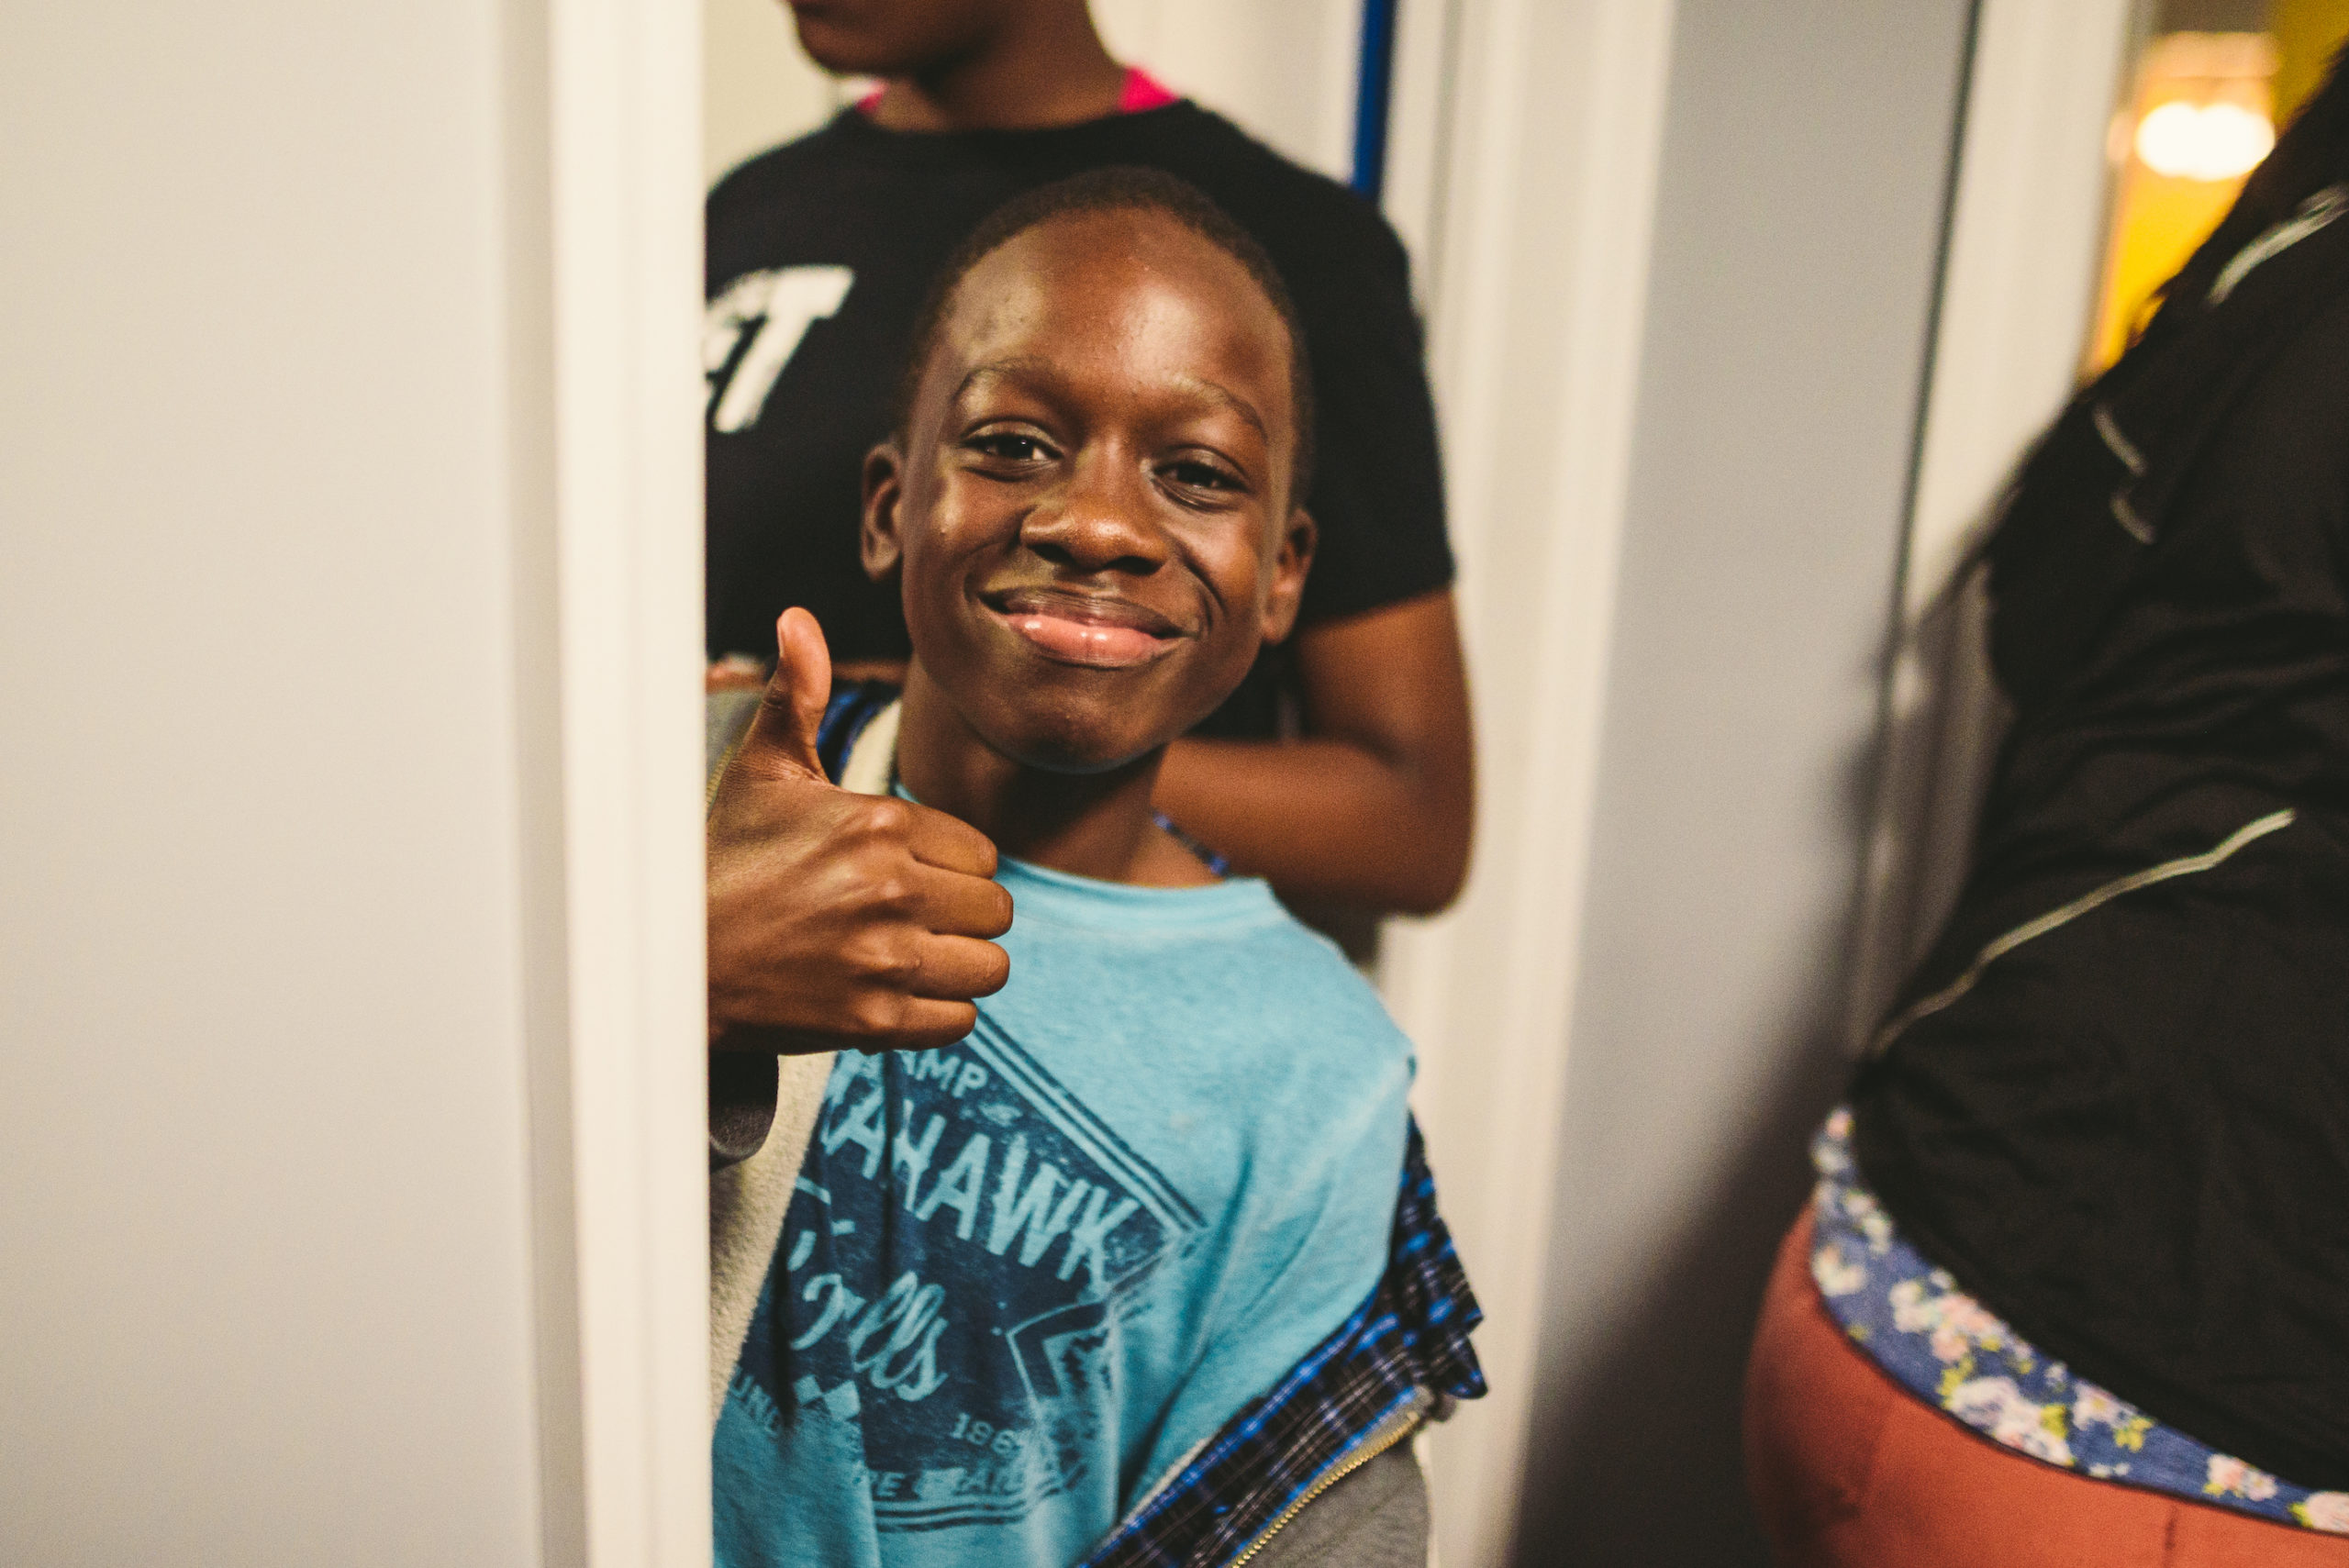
(965, 1243)
(784, 302)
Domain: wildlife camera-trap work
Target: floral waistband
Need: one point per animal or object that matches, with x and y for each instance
(1950, 1352)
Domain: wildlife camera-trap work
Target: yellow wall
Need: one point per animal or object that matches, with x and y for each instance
(2307, 35)
(2158, 220)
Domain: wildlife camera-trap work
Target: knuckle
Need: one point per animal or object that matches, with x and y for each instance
(885, 961)
(889, 819)
(864, 955)
(874, 1014)
(775, 718)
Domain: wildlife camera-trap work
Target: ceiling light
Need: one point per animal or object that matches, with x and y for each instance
(2205, 141)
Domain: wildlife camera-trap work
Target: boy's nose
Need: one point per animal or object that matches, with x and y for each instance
(1099, 521)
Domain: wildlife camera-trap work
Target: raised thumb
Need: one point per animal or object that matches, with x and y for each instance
(791, 711)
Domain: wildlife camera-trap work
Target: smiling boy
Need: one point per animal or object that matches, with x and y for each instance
(1124, 1275)
(1342, 767)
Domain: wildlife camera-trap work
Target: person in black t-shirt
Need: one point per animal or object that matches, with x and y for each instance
(819, 254)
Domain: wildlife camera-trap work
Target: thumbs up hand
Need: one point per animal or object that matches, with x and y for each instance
(839, 921)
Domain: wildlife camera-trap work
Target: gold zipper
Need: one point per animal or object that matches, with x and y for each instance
(1394, 1429)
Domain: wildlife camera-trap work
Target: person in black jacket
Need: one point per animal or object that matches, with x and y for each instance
(1340, 770)
(2090, 1195)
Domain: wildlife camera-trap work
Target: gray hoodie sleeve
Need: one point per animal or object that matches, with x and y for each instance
(742, 1083)
(1376, 1517)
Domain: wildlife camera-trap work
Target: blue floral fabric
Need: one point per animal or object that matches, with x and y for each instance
(1950, 1352)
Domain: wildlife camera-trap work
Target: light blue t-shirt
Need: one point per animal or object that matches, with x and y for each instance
(1024, 1276)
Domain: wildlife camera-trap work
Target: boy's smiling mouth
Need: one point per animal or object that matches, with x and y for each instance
(1099, 630)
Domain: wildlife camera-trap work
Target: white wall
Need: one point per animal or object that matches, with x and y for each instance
(265, 549)
(1806, 155)
(758, 90)
(1284, 69)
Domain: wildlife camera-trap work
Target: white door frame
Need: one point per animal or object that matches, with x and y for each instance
(609, 157)
(2017, 298)
(1522, 166)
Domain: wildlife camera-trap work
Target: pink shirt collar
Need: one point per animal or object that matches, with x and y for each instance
(1142, 91)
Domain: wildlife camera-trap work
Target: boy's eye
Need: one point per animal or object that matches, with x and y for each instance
(1008, 446)
(1191, 473)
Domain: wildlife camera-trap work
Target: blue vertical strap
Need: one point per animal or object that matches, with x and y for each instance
(1371, 92)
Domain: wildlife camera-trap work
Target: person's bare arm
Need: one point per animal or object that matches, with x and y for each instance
(1372, 805)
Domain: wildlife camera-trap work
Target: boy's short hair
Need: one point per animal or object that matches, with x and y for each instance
(1120, 188)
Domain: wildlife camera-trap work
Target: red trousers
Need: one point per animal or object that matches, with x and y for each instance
(1847, 1469)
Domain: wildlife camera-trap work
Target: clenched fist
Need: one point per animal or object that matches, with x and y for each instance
(839, 921)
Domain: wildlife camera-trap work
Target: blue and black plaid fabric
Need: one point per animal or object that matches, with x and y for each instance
(1411, 1335)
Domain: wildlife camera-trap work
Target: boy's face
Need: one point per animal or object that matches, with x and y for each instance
(1092, 513)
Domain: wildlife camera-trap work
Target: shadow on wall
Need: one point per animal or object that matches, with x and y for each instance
(1642, 1464)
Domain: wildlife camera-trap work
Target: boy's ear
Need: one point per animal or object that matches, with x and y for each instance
(884, 490)
(1291, 561)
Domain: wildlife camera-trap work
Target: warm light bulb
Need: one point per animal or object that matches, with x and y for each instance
(2208, 141)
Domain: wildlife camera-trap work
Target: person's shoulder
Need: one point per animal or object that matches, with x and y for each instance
(1312, 992)
(1314, 227)
(1196, 134)
(782, 172)
(1229, 956)
(1323, 1073)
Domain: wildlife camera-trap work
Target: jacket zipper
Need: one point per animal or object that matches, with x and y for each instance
(1384, 1436)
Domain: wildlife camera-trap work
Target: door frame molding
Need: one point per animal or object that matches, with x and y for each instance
(1523, 170)
(604, 193)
